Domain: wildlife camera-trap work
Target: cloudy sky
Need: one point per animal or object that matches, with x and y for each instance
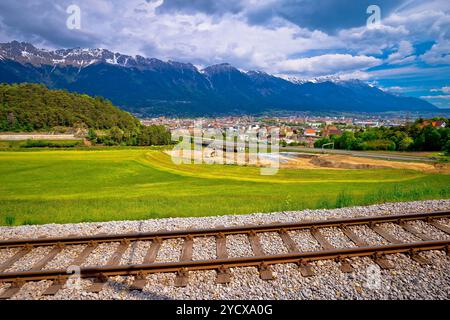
(407, 53)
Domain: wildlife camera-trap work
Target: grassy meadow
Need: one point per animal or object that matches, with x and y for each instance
(59, 186)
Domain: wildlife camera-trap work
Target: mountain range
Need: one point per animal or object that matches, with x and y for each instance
(149, 87)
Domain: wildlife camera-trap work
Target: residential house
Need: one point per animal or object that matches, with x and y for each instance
(439, 124)
(310, 132)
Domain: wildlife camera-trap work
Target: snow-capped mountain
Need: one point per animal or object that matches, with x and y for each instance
(77, 57)
(148, 86)
(332, 78)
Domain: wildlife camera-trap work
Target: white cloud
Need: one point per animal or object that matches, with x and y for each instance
(327, 64)
(204, 39)
(436, 97)
(422, 22)
(360, 75)
(404, 54)
(443, 89)
(438, 54)
(138, 27)
(409, 72)
(398, 89)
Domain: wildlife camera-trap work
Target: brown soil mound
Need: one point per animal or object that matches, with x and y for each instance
(341, 162)
(330, 163)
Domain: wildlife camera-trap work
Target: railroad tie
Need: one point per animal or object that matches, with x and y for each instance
(56, 285)
(182, 278)
(140, 280)
(17, 256)
(353, 236)
(59, 283)
(223, 273)
(442, 228)
(221, 246)
(101, 280)
(439, 226)
(418, 258)
(382, 261)
(12, 289)
(152, 252)
(420, 235)
(41, 263)
(384, 234)
(17, 285)
(321, 239)
(288, 242)
(345, 266)
(255, 244)
(306, 269)
(379, 258)
(264, 270)
(408, 227)
(117, 256)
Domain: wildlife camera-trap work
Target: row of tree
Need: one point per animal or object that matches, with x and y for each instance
(418, 136)
(33, 107)
(146, 136)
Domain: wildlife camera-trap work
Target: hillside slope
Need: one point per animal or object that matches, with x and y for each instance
(27, 107)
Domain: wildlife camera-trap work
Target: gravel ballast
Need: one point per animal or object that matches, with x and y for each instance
(408, 280)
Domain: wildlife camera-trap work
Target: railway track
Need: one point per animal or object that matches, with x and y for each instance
(222, 263)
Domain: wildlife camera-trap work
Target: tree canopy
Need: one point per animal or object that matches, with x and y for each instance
(33, 107)
(418, 136)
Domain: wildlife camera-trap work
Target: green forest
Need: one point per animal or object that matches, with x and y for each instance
(418, 136)
(33, 107)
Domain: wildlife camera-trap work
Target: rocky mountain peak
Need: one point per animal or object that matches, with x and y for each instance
(220, 68)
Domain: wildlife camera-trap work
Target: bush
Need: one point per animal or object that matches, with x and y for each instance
(92, 136)
(153, 135)
(343, 199)
(10, 220)
(379, 145)
(447, 148)
(36, 144)
(320, 142)
(323, 204)
(346, 141)
(405, 144)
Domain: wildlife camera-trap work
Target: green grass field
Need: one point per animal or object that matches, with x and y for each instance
(49, 186)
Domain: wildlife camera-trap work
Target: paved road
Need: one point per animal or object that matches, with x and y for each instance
(375, 155)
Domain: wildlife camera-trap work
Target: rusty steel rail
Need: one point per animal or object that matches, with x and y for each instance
(223, 263)
(253, 261)
(164, 235)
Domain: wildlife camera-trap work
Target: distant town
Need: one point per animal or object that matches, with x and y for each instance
(294, 130)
